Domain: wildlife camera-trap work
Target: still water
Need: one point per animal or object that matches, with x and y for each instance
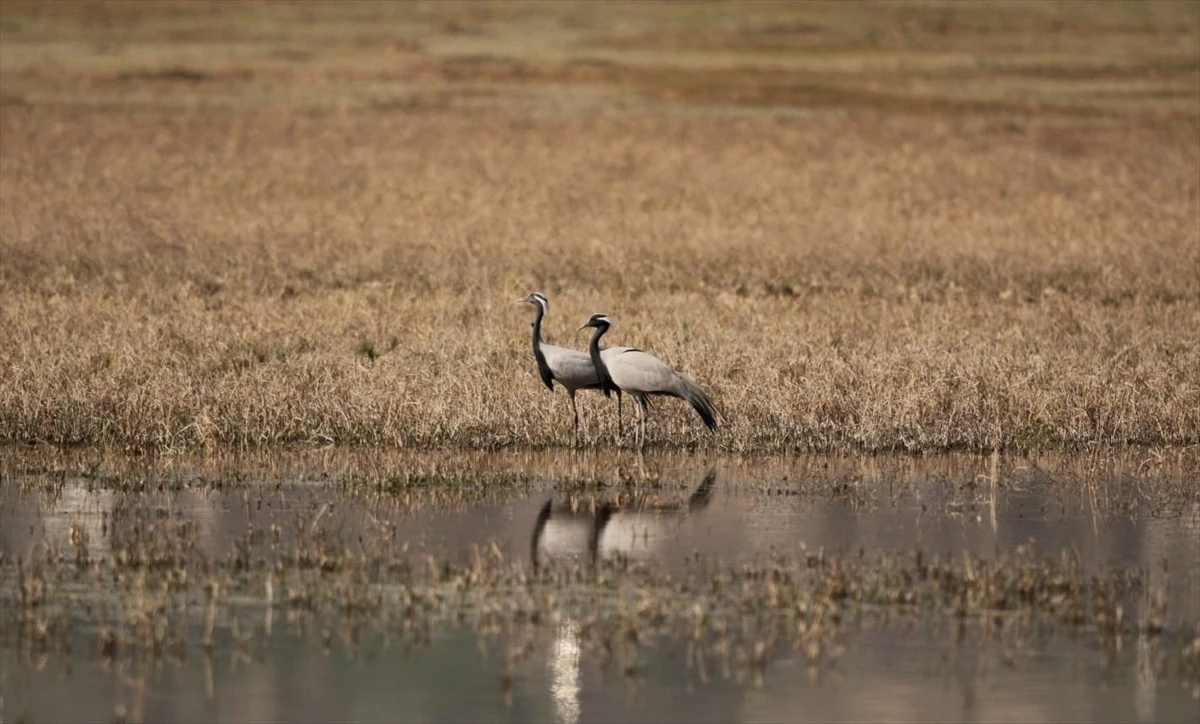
(661, 513)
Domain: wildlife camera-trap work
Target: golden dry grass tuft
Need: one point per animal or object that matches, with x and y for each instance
(264, 250)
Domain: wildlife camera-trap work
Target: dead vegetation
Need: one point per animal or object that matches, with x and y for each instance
(199, 253)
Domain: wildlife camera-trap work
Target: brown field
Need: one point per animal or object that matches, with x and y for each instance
(917, 226)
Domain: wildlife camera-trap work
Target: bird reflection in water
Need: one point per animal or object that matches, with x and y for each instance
(598, 528)
(595, 530)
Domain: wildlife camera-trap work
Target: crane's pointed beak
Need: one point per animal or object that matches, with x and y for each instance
(584, 327)
(522, 299)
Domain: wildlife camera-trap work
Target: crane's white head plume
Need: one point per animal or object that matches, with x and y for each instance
(537, 299)
(597, 320)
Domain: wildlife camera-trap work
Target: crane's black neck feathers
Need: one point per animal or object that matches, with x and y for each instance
(543, 368)
(606, 383)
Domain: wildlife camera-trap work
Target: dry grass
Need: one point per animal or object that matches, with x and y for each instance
(208, 248)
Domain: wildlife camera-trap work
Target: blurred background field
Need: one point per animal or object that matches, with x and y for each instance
(1071, 58)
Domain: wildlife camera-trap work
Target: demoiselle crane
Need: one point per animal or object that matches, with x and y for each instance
(631, 370)
(568, 367)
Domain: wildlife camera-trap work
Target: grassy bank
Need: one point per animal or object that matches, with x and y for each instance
(310, 227)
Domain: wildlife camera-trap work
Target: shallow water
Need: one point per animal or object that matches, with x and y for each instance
(885, 679)
(666, 514)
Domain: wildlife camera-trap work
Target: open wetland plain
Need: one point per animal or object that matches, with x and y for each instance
(275, 444)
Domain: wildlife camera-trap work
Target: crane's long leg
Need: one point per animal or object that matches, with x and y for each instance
(575, 414)
(641, 438)
(620, 427)
(645, 420)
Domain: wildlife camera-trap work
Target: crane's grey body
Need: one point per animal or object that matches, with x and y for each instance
(570, 368)
(631, 370)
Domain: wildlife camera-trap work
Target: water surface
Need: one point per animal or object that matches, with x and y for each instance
(661, 513)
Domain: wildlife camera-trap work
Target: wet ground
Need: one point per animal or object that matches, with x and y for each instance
(566, 587)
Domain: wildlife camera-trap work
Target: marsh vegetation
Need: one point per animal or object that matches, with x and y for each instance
(245, 225)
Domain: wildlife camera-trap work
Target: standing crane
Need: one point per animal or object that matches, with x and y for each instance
(626, 369)
(570, 368)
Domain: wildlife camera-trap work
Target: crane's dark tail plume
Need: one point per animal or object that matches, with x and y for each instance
(699, 401)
